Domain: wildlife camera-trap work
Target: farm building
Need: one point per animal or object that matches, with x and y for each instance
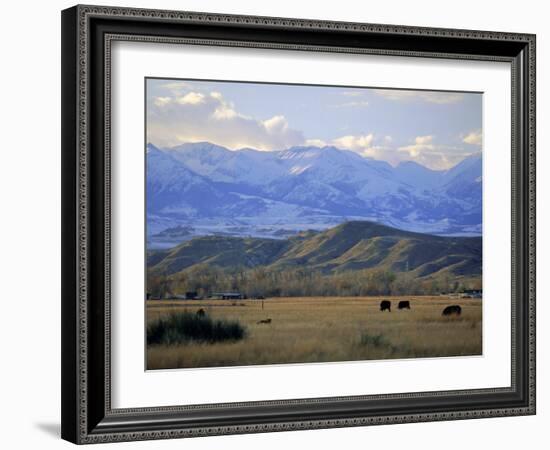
(228, 295)
(474, 293)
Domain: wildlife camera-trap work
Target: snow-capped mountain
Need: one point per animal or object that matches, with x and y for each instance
(221, 165)
(210, 189)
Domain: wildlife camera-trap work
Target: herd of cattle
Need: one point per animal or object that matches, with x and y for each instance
(385, 305)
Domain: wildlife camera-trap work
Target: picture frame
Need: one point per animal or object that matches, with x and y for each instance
(87, 35)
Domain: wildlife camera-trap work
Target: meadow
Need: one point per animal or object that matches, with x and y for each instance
(321, 329)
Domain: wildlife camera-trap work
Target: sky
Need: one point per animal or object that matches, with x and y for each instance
(437, 129)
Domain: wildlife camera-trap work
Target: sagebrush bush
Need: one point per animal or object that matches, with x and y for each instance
(374, 340)
(182, 327)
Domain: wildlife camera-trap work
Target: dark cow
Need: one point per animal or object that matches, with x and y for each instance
(385, 304)
(404, 304)
(453, 309)
(265, 321)
(201, 313)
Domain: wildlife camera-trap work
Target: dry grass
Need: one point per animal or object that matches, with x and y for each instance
(322, 329)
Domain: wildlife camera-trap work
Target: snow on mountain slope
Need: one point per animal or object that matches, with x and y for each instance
(222, 165)
(175, 190)
(205, 184)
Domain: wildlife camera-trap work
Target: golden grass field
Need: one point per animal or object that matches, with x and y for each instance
(323, 329)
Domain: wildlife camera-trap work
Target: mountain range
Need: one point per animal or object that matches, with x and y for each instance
(347, 247)
(199, 189)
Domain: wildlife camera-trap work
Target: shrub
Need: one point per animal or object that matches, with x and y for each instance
(179, 328)
(373, 340)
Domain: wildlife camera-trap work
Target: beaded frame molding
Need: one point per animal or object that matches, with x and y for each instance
(87, 35)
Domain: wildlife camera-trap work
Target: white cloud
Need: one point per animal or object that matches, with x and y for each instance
(367, 145)
(316, 143)
(207, 116)
(354, 143)
(161, 101)
(356, 99)
(437, 97)
(191, 98)
(423, 150)
(175, 85)
(473, 138)
(352, 93)
(222, 113)
(431, 154)
(389, 154)
(181, 114)
(276, 124)
(354, 104)
(422, 145)
(361, 144)
(423, 140)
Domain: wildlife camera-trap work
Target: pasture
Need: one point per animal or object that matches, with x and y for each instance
(322, 329)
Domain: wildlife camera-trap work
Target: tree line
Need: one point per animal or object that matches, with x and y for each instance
(299, 282)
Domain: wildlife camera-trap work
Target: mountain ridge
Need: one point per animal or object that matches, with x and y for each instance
(216, 189)
(351, 246)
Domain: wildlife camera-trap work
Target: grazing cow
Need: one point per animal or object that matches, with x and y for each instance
(201, 313)
(404, 304)
(453, 309)
(265, 321)
(385, 304)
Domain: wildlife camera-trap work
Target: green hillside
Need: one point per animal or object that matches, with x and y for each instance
(352, 246)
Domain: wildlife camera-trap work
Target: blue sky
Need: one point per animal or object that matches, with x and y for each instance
(436, 129)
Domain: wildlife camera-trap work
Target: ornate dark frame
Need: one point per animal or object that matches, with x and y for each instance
(87, 33)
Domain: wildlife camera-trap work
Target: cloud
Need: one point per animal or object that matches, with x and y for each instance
(437, 97)
(276, 124)
(473, 138)
(161, 101)
(422, 145)
(352, 93)
(175, 86)
(192, 116)
(316, 143)
(366, 145)
(354, 143)
(423, 150)
(355, 99)
(179, 112)
(423, 140)
(354, 104)
(436, 156)
(192, 98)
(361, 144)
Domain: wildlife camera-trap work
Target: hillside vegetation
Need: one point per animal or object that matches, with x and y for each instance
(354, 258)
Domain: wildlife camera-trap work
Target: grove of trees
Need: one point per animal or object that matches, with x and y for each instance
(298, 282)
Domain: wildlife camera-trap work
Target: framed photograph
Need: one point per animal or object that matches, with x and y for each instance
(280, 224)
